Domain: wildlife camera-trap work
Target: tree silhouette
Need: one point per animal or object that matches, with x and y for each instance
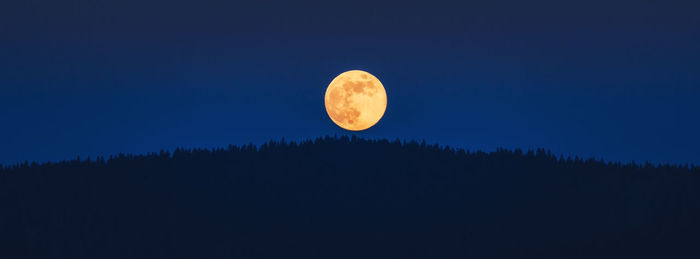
(347, 197)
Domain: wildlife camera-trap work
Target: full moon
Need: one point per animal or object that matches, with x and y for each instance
(355, 100)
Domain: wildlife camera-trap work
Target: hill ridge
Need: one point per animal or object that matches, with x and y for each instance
(344, 197)
(352, 139)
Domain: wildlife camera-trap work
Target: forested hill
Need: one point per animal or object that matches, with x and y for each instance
(348, 198)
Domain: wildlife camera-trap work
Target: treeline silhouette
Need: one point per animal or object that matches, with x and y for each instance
(347, 197)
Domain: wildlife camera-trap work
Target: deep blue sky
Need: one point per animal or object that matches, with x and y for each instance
(612, 79)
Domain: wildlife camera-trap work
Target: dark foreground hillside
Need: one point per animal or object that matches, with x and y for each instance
(348, 198)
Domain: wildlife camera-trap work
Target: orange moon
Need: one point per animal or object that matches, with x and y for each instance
(355, 100)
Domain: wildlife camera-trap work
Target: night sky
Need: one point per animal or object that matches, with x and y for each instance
(618, 80)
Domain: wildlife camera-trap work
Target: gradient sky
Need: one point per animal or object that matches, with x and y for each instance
(613, 79)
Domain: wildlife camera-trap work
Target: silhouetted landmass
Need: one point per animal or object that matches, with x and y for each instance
(348, 198)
